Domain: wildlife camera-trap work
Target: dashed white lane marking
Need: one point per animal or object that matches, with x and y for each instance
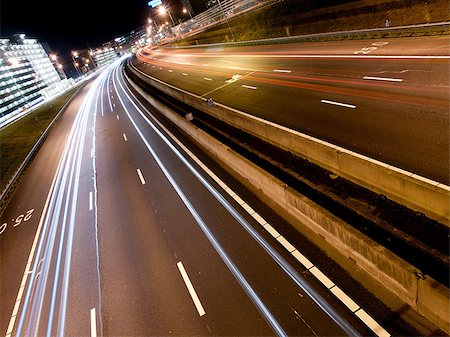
(346, 300)
(125, 137)
(205, 65)
(191, 289)
(345, 105)
(184, 74)
(281, 71)
(249, 87)
(91, 205)
(117, 116)
(170, 71)
(141, 177)
(383, 79)
(93, 323)
(207, 78)
(114, 105)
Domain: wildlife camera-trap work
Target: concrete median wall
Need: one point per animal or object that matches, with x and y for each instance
(406, 188)
(329, 232)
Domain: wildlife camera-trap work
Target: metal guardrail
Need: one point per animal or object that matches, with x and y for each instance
(436, 27)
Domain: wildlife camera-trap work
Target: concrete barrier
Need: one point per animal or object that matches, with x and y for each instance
(398, 277)
(420, 194)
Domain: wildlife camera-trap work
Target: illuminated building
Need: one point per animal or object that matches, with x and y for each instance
(104, 55)
(27, 75)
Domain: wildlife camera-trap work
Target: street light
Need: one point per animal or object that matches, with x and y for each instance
(162, 11)
(186, 11)
(151, 21)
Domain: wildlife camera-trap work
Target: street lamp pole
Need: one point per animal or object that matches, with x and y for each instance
(75, 63)
(187, 11)
(226, 18)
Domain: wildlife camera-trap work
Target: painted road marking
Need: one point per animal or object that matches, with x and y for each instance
(345, 105)
(321, 277)
(344, 298)
(383, 79)
(370, 322)
(249, 87)
(141, 177)
(91, 206)
(281, 71)
(191, 289)
(170, 71)
(184, 74)
(207, 78)
(124, 137)
(30, 259)
(93, 323)
(117, 116)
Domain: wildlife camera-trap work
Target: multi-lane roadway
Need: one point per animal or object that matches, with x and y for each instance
(387, 99)
(117, 228)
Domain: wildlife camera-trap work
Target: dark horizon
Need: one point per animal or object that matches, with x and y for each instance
(75, 25)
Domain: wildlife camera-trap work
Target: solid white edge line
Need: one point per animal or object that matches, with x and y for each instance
(93, 323)
(31, 257)
(344, 298)
(299, 256)
(141, 177)
(191, 289)
(321, 277)
(371, 323)
(383, 79)
(345, 105)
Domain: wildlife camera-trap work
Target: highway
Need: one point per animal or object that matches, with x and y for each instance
(386, 99)
(117, 228)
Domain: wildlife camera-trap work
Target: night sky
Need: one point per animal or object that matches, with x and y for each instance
(75, 25)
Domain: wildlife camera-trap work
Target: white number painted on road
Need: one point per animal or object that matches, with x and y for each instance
(18, 220)
(3, 227)
(367, 50)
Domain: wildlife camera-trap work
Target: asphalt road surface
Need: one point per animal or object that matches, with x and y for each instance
(386, 99)
(117, 229)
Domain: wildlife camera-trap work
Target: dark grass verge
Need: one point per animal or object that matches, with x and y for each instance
(18, 138)
(297, 17)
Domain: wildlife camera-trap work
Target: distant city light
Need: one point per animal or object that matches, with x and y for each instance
(162, 10)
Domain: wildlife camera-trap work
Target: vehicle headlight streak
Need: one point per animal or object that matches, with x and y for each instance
(290, 271)
(51, 266)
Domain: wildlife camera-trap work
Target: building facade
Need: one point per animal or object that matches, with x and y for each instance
(27, 75)
(104, 55)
